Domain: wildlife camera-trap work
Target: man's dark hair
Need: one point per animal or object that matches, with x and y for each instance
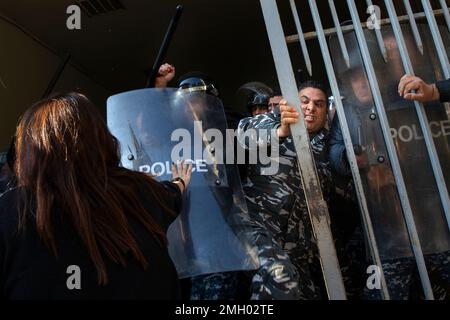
(312, 84)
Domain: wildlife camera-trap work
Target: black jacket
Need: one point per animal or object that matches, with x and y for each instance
(444, 90)
(28, 269)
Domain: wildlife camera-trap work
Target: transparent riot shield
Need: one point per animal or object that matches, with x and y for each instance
(158, 126)
(365, 128)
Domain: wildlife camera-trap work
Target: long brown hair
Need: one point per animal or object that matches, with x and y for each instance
(67, 158)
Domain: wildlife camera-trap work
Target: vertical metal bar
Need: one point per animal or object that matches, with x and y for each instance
(164, 46)
(317, 207)
(446, 14)
(337, 25)
(412, 22)
(379, 36)
(401, 187)
(301, 37)
(437, 39)
(440, 48)
(421, 114)
(368, 226)
(347, 28)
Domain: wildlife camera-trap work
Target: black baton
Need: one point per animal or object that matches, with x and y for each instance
(164, 46)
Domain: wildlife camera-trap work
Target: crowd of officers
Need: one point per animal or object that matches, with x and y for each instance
(289, 264)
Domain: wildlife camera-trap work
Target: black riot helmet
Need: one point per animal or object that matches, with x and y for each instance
(258, 99)
(256, 94)
(197, 82)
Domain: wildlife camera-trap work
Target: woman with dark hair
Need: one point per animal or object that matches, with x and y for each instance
(78, 225)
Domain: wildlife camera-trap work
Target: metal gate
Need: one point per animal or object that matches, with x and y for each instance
(402, 192)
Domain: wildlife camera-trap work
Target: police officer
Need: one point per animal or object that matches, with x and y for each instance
(256, 96)
(198, 81)
(380, 188)
(221, 285)
(289, 267)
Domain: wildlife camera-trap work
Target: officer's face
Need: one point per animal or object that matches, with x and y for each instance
(274, 102)
(197, 102)
(360, 87)
(313, 102)
(144, 134)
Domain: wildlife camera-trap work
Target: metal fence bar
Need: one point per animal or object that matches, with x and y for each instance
(367, 222)
(303, 45)
(446, 14)
(412, 22)
(316, 204)
(379, 37)
(337, 25)
(401, 187)
(422, 116)
(331, 31)
(440, 48)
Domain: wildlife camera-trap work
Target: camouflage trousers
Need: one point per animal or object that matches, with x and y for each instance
(289, 264)
(276, 278)
(403, 280)
(278, 271)
(289, 268)
(353, 263)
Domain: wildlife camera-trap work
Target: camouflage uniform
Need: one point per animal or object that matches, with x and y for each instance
(403, 280)
(289, 264)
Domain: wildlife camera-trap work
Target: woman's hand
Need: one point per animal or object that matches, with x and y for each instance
(183, 171)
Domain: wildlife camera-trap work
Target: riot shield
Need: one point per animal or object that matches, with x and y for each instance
(365, 128)
(158, 126)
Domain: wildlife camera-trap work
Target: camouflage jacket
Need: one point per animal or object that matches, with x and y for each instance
(279, 190)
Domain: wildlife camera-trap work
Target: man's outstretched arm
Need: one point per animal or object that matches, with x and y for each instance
(414, 88)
